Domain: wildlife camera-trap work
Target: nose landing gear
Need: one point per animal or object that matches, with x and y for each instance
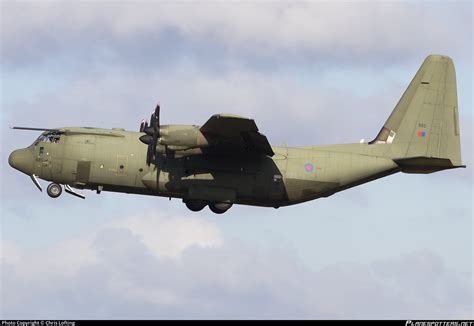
(54, 190)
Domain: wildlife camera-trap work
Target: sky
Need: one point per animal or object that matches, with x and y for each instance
(309, 73)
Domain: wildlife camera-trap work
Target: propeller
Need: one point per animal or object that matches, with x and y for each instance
(154, 130)
(152, 133)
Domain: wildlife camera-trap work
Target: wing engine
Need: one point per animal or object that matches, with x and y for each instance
(222, 134)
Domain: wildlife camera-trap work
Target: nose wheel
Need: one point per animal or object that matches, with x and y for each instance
(54, 190)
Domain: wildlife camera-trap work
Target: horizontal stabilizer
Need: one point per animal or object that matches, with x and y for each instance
(424, 165)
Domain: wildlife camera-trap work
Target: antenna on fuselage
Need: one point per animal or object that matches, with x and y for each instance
(33, 129)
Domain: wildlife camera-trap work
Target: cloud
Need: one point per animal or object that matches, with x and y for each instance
(169, 237)
(182, 268)
(327, 31)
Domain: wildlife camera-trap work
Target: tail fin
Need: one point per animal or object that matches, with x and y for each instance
(423, 129)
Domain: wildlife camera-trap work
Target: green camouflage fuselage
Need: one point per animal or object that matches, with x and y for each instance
(227, 161)
(115, 161)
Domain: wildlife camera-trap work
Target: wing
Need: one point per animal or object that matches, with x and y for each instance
(231, 133)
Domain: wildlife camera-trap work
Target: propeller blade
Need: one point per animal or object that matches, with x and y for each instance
(151, 148)
(142, 126)
(152, 133)
(157, 116)
(152, 120)
(149, 154)
(149, 131)
(146, 139)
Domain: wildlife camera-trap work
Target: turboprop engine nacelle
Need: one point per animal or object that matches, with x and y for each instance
(182, 137)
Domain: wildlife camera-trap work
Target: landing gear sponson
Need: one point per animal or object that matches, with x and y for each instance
(198, 205)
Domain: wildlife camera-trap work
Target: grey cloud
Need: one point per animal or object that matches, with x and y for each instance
(262, 33)
(233, 281)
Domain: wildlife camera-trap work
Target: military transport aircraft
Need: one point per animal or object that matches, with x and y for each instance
(228, 161)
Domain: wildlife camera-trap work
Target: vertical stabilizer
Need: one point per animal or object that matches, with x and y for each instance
(425, 123)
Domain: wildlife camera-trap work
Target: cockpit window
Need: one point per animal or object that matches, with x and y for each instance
(49, 137)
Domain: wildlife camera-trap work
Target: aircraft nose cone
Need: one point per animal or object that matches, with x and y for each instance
(22, 160)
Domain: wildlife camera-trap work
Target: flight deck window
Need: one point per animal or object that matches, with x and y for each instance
(50, 137)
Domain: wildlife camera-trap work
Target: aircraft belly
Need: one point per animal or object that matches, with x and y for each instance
(249, 188)
(299, 190)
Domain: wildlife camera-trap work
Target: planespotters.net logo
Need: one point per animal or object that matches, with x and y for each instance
(439, 323)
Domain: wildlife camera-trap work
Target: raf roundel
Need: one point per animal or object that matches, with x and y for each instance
(308, 167)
